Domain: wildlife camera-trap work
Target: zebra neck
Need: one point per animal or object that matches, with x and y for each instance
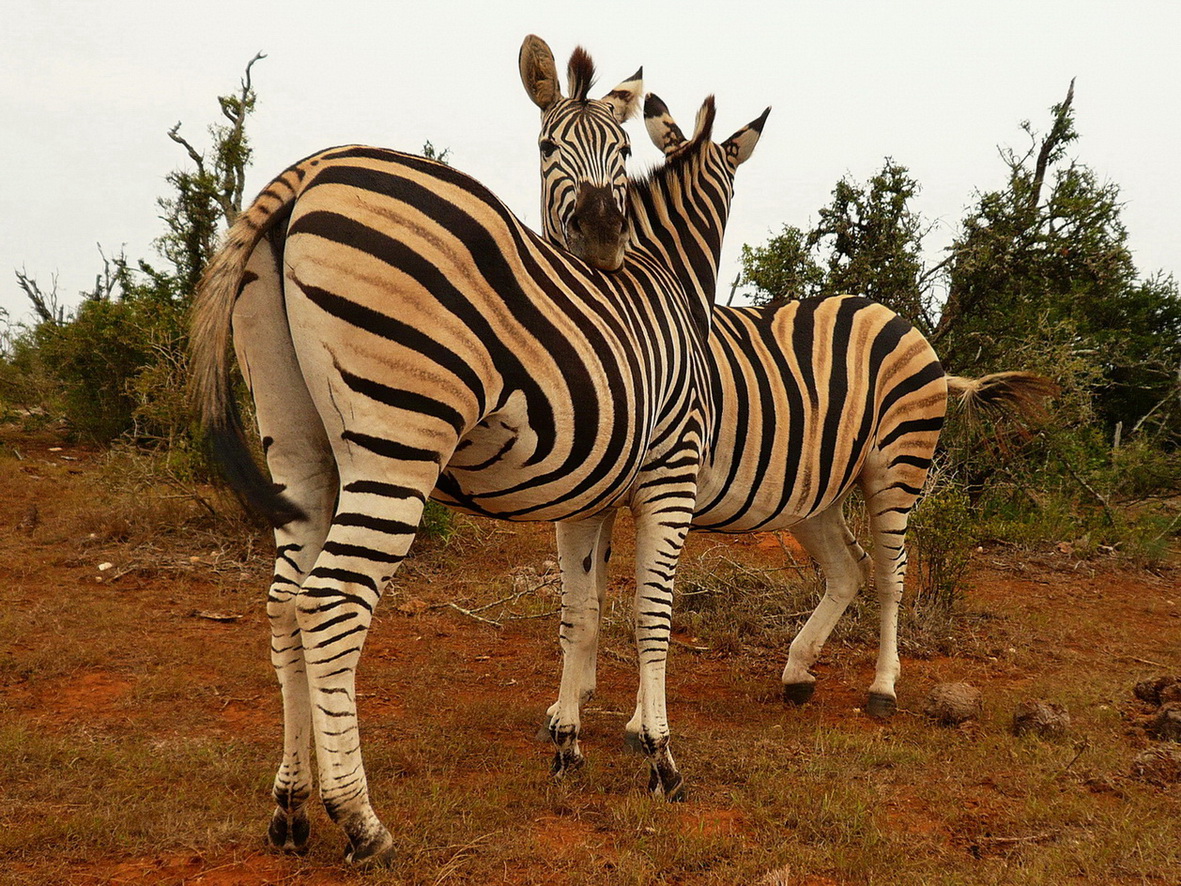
(678, 215)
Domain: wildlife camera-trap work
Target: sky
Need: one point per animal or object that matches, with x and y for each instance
(89, 90)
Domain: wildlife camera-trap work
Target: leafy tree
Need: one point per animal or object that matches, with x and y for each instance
(867, 241)
(874, 242)
(1050, 249)
(782, 269)
(117, 363)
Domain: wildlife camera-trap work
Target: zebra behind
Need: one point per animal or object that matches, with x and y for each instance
(404, 336)
(811, 399)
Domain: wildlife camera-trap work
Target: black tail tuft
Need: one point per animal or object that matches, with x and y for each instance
(226, 448)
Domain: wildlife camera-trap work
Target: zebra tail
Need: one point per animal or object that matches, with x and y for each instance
(1022, 394)
(211, 381)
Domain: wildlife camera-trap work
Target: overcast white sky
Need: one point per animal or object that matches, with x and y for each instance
(89, 90)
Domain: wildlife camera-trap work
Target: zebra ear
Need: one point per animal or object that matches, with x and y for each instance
(741, 144)
(538, 72)
(703, 125)
(662, 128)
(624, 99)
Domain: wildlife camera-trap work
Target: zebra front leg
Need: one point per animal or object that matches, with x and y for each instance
(602, 556)
(371, 532)
(660, 537)
(580, 564)
(827, 538)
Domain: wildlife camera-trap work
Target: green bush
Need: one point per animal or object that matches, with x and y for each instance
(940, 540)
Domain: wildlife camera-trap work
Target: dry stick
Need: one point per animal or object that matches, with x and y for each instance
(474, 613)
(1155, 664)
(1087, 486)
(1081, 748)
(471, 614)
(733, 288)
(1007, 841)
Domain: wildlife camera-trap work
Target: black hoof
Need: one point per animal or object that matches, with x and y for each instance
(677, 792)
(375, 853)
(543, 733)
(289, 831)
(566, 762)
(798, 693)
(881, 706)
(669, 785)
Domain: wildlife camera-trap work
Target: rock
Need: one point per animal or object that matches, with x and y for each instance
(1045, 719)
(1155, 690)
(1166, 725)
(1159, 765)
(950, 704)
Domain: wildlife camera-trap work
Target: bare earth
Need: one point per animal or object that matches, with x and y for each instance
(141, 719)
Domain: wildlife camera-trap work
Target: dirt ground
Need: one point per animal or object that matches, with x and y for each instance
(117, 641)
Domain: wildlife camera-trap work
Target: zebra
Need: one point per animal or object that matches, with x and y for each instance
(811, 399)
(404, 336)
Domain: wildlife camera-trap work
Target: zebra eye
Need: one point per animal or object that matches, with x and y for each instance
(547, 147)
(627, 151)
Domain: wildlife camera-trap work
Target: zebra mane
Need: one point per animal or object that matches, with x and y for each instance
(580, 74)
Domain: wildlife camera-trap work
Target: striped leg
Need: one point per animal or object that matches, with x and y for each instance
(582, 557)
(374, 525)
(298, 545)
(845, 566)
(300, 460)
(889, 510)
(660, 537)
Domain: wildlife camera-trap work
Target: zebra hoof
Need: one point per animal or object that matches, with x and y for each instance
(798, 693)
(670, 785)
(881, 706)
(289, 832)
(377, 852)
(565, 762)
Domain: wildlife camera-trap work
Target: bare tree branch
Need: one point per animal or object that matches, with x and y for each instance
(45, 304)
(1058, 132)
(234, 175)
(199, 159)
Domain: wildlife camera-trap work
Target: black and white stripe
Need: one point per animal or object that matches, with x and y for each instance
(812, 399)
(403, 337)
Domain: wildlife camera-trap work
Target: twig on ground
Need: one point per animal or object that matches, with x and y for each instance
(471, 614)
(1154, 664)
(1013, 841)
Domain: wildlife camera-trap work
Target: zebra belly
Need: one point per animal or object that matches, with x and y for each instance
(504, 468)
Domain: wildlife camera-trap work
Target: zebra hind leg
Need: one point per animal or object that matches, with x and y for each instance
(892, 483)
(374, 525)
(827, 538)
(889, 511)
(297, 546)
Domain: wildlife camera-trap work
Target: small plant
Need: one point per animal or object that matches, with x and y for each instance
(940, 544)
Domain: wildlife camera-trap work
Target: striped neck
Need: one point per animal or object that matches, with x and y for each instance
(678, 214)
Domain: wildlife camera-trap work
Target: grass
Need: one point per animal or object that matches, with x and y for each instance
(139, 740)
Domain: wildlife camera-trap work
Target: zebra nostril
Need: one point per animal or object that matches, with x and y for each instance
(575, 225)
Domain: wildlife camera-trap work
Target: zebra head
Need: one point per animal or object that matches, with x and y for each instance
(667, 135)
(584, 152)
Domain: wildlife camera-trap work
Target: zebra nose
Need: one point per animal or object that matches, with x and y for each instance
(595, 213)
